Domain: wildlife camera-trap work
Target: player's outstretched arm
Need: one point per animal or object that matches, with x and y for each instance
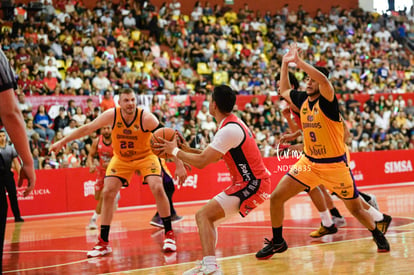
(105, 118)
(201, 160)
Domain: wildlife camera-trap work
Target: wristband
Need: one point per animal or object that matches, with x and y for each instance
(175, 151)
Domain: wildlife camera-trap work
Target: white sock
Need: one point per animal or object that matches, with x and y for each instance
(209, 261)
(95, 216)
(375, 214)
(326, 218)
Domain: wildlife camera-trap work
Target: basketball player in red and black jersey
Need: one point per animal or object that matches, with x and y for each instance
(101, 148)
(250, 187)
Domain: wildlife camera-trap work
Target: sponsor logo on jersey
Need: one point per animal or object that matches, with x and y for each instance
(153, 168)
(317, 150)
(316, 125)
(304, 111)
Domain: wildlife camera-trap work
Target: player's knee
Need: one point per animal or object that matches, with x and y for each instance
(158, 191)
(276, 198)
(201, 216)
(109, 194)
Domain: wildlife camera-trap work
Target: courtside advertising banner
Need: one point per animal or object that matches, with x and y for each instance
(72, 189)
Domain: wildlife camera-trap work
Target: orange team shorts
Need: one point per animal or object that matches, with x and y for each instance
(124, 170)
(336, 176)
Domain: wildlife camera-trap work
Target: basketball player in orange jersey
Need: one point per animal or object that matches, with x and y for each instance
(328, 223)
(102, 149)
(236, 145)
(369, 201)
(131, 134)
(382, 220)
(324, 160)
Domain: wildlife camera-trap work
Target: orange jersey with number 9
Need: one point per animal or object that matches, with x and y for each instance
(323, 137)
(130, 142)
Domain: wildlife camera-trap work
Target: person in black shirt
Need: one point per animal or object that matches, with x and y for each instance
(61, 121)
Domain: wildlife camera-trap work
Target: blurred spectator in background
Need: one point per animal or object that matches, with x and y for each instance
(43, 124)
(107, 101)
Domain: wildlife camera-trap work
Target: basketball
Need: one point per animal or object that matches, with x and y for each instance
(164, 133)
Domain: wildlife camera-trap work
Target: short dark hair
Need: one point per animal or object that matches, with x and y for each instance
(323, 70)
(292, 79)
(224, 97)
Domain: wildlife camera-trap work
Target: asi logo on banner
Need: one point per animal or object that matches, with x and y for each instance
(191, 181)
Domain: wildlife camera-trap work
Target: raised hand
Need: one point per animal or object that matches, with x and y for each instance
(292, 55)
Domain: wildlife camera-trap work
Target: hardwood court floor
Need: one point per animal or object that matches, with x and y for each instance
(58, 244)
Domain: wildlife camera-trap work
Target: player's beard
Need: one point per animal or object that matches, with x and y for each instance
(129, 110)
(314, 93)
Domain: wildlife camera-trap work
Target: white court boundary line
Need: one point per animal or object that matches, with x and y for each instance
(45, 251)
(220, 259)
(188, 203)
(186, 263)
(160, 268)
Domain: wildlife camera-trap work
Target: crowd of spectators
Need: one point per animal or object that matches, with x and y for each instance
(66, 49)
